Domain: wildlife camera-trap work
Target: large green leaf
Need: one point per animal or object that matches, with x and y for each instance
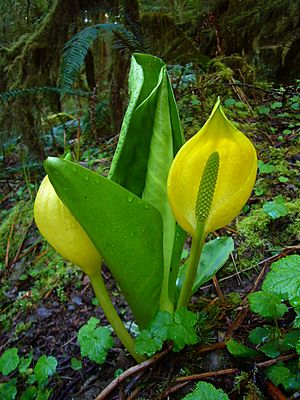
(214, 255)
(126, 230)
(150, 137)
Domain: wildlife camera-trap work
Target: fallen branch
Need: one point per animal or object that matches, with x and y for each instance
(131, 371)
(209, 374)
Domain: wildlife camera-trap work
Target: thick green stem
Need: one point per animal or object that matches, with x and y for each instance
(165, 304)
(112, 315)
(196, 248)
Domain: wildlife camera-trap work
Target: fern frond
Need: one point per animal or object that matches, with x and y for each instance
(16, 93)
(75, 50)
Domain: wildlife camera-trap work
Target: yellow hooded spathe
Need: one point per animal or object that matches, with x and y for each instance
(236, 174)
(60, 228)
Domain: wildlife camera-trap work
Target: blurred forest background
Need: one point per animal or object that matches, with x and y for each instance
(64, 69)
(72, 57)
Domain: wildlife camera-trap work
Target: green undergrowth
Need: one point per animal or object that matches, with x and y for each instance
(30, 268)
(260, 234)
(14, 227)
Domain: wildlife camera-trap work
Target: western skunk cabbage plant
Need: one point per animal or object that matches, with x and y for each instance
(158, 189)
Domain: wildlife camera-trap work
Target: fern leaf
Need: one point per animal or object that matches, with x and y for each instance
(13, 94)
(75, 50)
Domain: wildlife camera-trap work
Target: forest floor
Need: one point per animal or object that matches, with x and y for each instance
(45, 300)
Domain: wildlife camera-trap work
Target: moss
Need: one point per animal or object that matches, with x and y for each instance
(259, 234)
(18, 220)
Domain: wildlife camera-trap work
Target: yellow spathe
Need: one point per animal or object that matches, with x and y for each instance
(62, 231)
(235, 180)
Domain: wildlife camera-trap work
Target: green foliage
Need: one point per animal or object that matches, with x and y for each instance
(179, 328)
(280, 374)
(276, 208)
(44, 369)
(75, 50)
(8, 390)
(34, 91)
(267, 304)
(284, 278)
(240, 350)
(260, 334)
(76, 364)
(9, 361)
(206, 391)
(95, 341)
(281, 282)
(214, 255)
(20, 217)
(265, 168)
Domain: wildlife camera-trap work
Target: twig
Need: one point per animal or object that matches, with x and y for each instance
(276, 360)
(209, 374)
(8, 245)
(238, 278)
(284, 252)
(131, 371)
(25, 252)
(243, 313)
(217, 288)
(173, 389)
(237, 322)
(274, 392)
(213, 347)
(16, 257)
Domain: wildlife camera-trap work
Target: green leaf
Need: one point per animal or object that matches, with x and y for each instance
(8, 390)
(24, 364)
(273, 349)
(159, 327)
(295, 106)
(126, 230)
(229, 102)
(43, 394)
(267, 304)
(130, 163)
(278, 374)
(298, 347)
(178, 327)
(291, 338)
(240, 350)
(29, 393)
(206, 391)
(147, 343)
(214, 255)
(284, 277)
(297, 320)
(95, 341)
(9, 361)
(263, 110)
(44, 368)
(150, 138)
(276, 208)
(76, 364)
(259, 335)
(182, 329)
(283, 179)
(265, 168)
(276, 104)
